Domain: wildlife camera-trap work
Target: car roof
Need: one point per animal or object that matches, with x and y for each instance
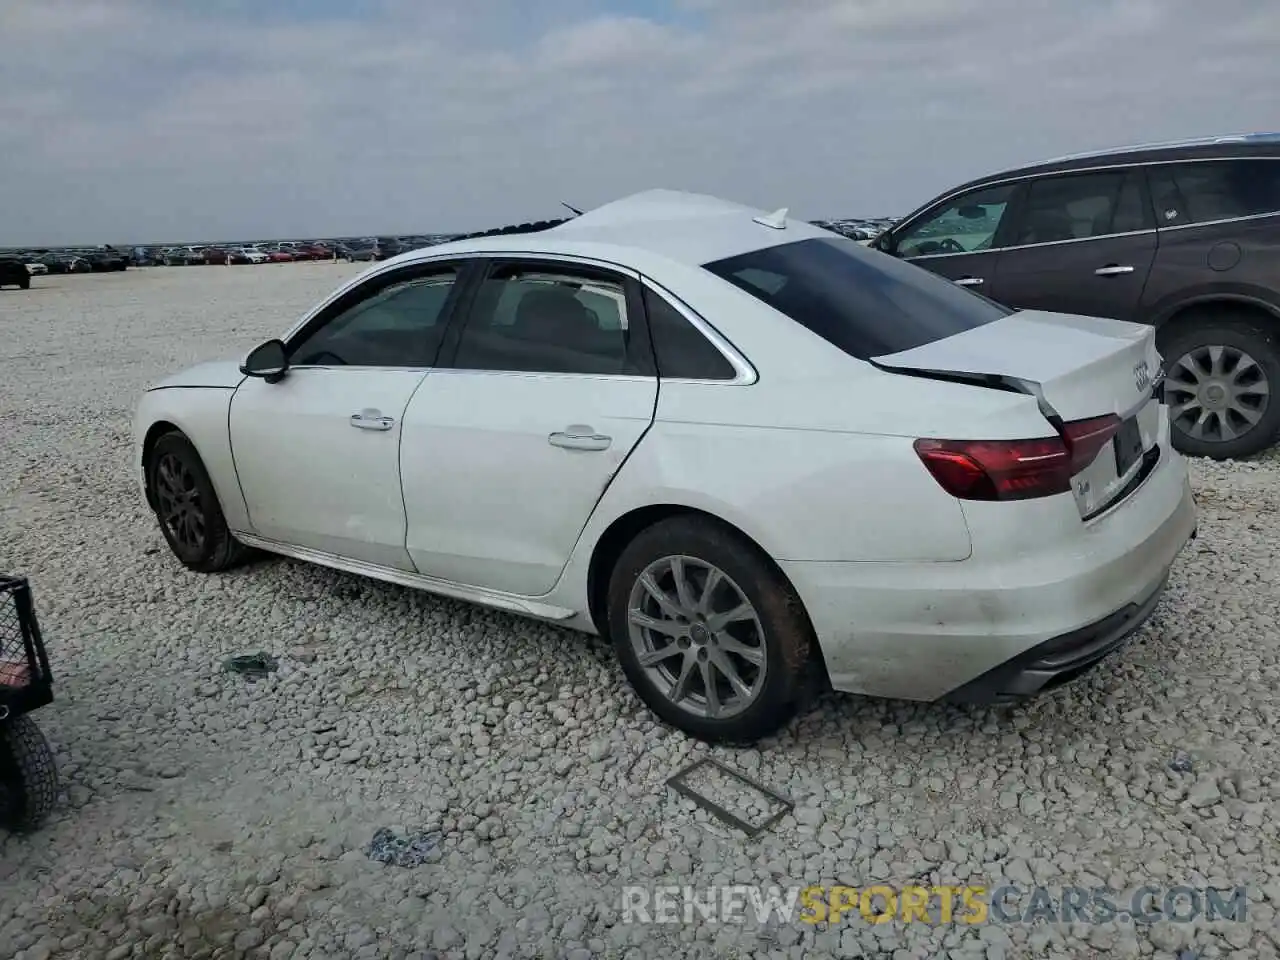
(689, 228)
(1204, 148)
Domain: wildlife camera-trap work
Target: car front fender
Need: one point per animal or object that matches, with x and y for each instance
(200, 412)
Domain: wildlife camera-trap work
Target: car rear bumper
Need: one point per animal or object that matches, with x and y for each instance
(1061, 659)
(1004, 627)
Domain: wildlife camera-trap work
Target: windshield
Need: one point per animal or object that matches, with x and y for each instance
(866, 303)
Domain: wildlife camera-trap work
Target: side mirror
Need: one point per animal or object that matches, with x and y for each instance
(885, 243)
(267, 361)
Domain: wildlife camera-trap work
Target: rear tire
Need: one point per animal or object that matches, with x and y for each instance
(766, 648)
(25, 284)
(28, 776)
(1216, 362)
(187, 507)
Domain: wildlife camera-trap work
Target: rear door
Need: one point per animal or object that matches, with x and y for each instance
(1082, 243)
(542, 393)
(956, 237)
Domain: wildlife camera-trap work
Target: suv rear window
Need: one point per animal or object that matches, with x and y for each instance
(868, 304)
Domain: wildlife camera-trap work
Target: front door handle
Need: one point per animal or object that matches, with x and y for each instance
(371, 420)
(1113, 270)
(969, 282)
(579, 437)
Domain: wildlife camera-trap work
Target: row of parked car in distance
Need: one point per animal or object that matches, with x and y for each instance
(42, 261)
(377, 248)
(352, 249)
(74, 260)
(283, 251)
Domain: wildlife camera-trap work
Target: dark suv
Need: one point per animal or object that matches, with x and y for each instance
(1185, 236)
(13, 272)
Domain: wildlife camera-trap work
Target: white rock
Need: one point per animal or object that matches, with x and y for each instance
(1204, 793)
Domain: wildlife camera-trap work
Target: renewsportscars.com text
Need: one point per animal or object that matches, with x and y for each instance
(967, 905)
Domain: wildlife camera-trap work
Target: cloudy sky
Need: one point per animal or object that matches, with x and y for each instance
(140, 120)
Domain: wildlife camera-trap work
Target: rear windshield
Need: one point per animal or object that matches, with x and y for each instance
(866, 303)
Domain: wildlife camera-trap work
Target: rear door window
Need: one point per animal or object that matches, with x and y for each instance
(1082, 206)
(551, 318)
(867, 304)
(1215, 190)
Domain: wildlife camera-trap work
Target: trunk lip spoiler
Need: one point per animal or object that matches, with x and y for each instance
(996, 381)
(1011, 384)
(1142, 470)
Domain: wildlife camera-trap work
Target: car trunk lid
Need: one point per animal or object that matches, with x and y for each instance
(1079, 369)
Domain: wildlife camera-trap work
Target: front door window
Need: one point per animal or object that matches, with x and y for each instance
(965, 224)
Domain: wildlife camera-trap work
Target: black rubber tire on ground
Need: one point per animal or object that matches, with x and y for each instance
(28, 776)
(788, 634)
(219, 550)
(1233, 329)
(25, 284)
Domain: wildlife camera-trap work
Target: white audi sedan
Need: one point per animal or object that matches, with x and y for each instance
(746, 450)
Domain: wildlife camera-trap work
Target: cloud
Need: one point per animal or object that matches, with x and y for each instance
(134, 120)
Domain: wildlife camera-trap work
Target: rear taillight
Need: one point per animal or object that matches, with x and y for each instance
(1016, 469)
(1086, 438)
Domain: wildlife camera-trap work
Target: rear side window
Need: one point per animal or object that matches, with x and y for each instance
(1215, 190)
(683, 353)
(867, 304)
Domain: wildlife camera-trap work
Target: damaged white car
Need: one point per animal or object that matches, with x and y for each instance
(740, 446)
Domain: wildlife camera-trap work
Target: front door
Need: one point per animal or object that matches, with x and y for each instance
(955, 239)
(507, 451)
(318, 453)
(1084, 244)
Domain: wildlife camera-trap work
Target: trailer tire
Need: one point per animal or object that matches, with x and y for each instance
(28, 776)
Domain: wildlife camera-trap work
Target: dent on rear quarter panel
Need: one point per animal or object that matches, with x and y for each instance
(800, 494)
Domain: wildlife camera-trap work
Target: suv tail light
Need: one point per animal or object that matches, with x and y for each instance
(1016, 469)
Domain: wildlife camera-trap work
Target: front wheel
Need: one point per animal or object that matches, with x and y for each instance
(1221, 375)
(709, 633)
(187, 507)
(28, 776)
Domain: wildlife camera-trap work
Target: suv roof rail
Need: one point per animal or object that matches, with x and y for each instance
(1170, 144)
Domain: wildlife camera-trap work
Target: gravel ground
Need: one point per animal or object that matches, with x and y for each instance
(206, 816)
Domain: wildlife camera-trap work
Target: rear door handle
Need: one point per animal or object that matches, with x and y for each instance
(969, 282)
(579, 437)
(1113, 270)
(371, 420)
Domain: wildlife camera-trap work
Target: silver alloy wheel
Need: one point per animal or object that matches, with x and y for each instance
(1216, 393)
(697, 636)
